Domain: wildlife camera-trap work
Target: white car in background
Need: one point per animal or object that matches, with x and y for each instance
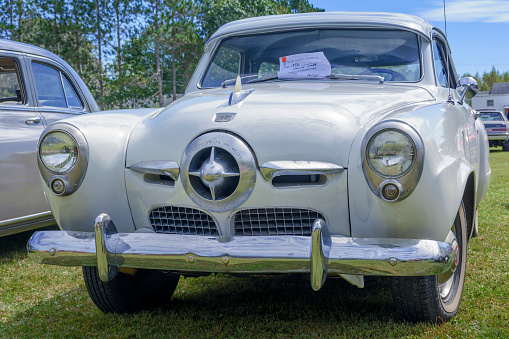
(36, 89)
(319, 144)
(497, 127)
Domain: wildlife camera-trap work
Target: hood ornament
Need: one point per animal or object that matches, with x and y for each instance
(238, 94)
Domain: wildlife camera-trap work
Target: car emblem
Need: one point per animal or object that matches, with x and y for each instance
(224, 117)
(213, 173)
(218, 171)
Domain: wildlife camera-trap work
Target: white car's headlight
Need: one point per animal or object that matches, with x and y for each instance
(390, 153)
(63, 158)
(393, 155)
(58, 152)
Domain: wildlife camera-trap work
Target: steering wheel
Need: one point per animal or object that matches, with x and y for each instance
(395, 76)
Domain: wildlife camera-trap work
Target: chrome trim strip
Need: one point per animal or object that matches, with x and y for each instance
(262, 254)
(27, 219)
(273, 169)
(159, 167)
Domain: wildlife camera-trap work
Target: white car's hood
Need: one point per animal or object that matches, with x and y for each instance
(310, 121)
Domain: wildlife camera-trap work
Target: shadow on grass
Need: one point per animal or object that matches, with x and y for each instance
(225, 306)
(16, 245)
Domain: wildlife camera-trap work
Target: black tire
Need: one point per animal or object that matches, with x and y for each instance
(435, 298)
(146, 289)
(505, 146)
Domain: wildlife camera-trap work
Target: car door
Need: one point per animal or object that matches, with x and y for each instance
(446, 78)
(20, 127)
(56, 91)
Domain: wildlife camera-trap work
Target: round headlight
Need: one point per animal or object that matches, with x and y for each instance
(58, 152)
(390, 153)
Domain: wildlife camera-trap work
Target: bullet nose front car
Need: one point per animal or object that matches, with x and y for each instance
(318, 144)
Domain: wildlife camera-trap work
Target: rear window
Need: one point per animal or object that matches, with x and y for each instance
(11, 91)
(491, 116)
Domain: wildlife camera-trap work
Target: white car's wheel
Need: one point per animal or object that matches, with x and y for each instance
(129, 293)
(434, 298)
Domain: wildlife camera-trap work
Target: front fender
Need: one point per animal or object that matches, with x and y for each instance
(429, 211)
(103, 188)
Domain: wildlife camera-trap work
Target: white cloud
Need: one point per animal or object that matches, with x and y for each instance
(469, 11)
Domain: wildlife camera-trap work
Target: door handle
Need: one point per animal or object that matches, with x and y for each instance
(33, 121)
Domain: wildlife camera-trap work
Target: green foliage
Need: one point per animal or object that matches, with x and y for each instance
(130, 53)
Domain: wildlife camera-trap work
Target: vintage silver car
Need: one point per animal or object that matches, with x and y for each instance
(318, 144)
(36, 89)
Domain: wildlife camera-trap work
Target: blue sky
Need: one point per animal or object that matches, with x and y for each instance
(478, 30)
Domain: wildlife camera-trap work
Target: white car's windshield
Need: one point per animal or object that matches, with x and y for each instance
(390, 54)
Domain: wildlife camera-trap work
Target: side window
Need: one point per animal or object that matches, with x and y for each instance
(11, 89)
(72, 98)
(53, 88)
(441, 63)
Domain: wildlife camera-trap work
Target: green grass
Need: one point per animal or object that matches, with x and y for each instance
(50, 301)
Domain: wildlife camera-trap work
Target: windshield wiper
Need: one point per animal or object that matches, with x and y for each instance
(265, 78)
(330, 76)
(356, 77)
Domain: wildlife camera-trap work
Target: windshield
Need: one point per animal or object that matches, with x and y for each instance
(491, 116)
(391, 54)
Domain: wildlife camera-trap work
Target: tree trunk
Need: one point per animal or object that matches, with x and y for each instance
(173, 61)
(77, 38)
(120, 101)
(158, 60)
(99, 45)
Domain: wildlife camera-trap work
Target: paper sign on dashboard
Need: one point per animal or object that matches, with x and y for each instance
(304, 65)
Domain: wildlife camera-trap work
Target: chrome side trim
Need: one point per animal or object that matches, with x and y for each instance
(273, 169)
(27, 223)
(159, 167)
(27, 219)
(261, 254)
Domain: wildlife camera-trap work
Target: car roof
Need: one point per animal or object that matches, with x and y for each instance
(9, 45)
(328, 19)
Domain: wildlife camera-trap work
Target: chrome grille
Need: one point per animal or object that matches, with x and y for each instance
(275, 221)
(182, 220)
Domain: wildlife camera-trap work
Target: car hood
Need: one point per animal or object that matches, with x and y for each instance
(306, 121)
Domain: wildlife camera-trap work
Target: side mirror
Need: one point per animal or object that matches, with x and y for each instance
(467, 88)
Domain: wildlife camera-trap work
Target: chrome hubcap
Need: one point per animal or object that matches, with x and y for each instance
(446, 279)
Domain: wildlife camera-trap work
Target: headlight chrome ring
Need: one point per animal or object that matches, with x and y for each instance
(62, 155)
(392, 159)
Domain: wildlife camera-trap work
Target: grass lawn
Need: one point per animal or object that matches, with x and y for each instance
(51, 301)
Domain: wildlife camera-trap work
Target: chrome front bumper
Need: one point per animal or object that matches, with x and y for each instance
(318, 255)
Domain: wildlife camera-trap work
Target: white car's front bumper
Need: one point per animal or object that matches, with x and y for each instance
(318, 255)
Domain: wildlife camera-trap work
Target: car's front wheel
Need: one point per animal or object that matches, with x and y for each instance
(129, 293)
(434, 298)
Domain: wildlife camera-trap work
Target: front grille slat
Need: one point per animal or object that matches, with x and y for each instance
(182, 220)
(275, 221)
